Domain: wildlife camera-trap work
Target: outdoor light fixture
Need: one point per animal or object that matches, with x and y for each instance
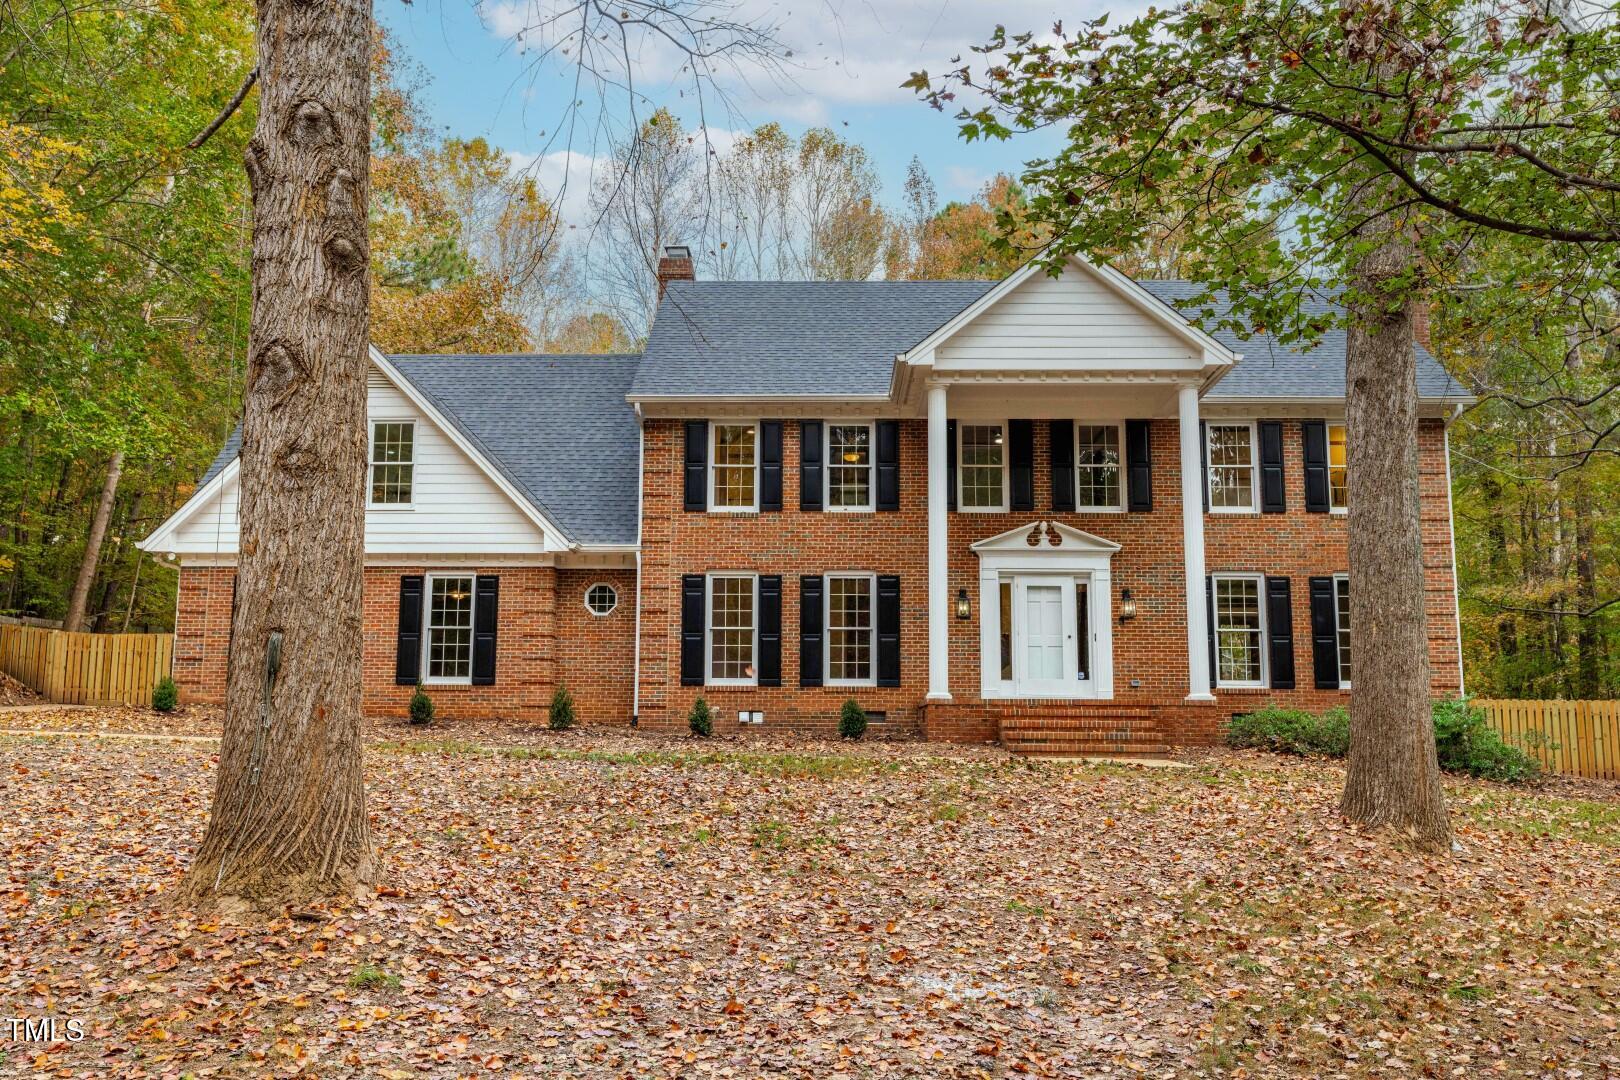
(1127, 605)
(964, 608)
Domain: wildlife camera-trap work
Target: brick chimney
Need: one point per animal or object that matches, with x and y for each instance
(1418, 309)
(676, 265)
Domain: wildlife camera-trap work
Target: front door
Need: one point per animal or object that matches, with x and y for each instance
(1046, 648)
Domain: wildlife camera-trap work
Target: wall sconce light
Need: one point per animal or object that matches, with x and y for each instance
(1127, 606)
(964, 607)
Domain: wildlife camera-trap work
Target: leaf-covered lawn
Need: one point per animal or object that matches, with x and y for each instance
(610, 906)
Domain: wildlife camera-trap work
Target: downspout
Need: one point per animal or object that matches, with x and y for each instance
(641, 481)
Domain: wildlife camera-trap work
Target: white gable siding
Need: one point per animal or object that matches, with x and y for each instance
(457, 509)
(1073, 323)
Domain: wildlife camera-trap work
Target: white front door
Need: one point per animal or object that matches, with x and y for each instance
(1045, 652)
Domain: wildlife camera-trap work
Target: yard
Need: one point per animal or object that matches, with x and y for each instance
(622, 905)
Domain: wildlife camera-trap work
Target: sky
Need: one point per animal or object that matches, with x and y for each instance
(482, 78)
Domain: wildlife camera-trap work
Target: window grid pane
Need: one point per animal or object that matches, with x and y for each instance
(849, 465)
(1096, 466)
(602, 599)
(1338, 471)
(450, 620)
(1231, 467)
(392, 455)
(981, 465)
(849, 628)
(1341, 592)
(1237, 630)
(731, 622)
(734, 465)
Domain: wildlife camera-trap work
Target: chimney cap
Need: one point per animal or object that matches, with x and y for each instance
(677, 251)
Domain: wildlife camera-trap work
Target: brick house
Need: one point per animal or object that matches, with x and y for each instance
(1045, 510)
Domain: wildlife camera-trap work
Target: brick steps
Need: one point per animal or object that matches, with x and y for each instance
(1070, 730)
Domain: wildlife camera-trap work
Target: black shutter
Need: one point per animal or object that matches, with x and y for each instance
(1209, 619)
(810, 450)
(1021, 464)
(693, 593)
(888, 464)
(1324, 634)
(1203, 461)
(1138, 466)
(408, 655)
(770, 464)
(697, 465)
(1280, 628)
(950, 464)
(888, 630)
(810, 619)
(770, 630)
(1316, 469)
(1062, 432)
(486, 618)
(1272, 498)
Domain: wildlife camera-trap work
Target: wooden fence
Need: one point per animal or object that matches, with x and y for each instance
(86, 669)
(1578, 738)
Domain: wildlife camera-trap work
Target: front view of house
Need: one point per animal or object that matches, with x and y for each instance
(1045, 510)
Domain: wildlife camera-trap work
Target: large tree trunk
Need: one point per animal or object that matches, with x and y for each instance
(1393, 779)
(92, 549)
(288, 821)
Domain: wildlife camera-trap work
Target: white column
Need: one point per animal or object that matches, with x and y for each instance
(939, 556)
(1192, 546)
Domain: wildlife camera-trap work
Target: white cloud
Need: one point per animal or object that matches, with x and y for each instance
(963, 182)
(565, 177)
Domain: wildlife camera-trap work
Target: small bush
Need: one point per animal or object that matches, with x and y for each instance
(165, 695)
(421, 706)
(701, 719)
(852, 720)
(562, 709)
(1293, 731)
(1466, 743)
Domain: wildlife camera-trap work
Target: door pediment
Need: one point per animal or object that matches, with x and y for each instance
(1046, 537)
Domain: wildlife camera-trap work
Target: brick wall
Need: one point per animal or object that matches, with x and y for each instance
(596, 653)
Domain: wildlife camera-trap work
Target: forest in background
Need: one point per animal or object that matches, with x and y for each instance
(124, 293)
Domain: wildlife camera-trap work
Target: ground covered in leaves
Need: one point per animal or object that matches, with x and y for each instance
(594, 905)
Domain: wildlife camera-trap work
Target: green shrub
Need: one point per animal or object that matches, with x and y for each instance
(852, 720)
(701, 718)
(421, 706)
(1293, 731)
(1466, 743)
(165, 695)
(562, 709)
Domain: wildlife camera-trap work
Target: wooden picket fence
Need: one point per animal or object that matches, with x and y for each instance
(1577, 738)
(86, 669)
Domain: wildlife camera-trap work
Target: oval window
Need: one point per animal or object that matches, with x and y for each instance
(601, 599)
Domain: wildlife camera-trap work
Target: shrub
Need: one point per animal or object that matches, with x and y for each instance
(421, 706)
(165, 695)
(852, 720)
(701, 718)
(1293, 731)
(1466, 743)
(562, 709)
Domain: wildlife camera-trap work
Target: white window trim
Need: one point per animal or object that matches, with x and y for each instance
(714, 435)
(826, 629)
(371, 462)
(708, 628)
(1332, 508)
(1124, 474)
(427, 627)
(1338, 659)
(586, 599)
(961, 472)
(1264, 681)
(827, 466)
(1254, 467)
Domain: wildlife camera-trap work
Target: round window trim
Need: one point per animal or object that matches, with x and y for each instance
(613, 599)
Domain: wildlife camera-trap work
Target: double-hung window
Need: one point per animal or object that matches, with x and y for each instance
(849, 466)
(448, 642)
(1097, 468)
(393, 462)
(1338, 468)
(734, 468)
(982, 463)
(1341, 619)
(732, 623)
(849, 630)
(1240, 631)
(1230, 452)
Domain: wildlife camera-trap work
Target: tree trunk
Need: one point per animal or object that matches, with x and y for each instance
(288, 821)
(1393, 777)
(92, 547)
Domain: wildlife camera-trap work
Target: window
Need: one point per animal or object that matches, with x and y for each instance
(1096, 467)
(1231, 467)
(731, 630)
(1239, 632)
(449, 635)
(393, 460)
(1005, 594)
(735, 456)
(1341, 610)
(982, 464)
(849, 466)
(601, 599)
(849, 629)
(1338, 468)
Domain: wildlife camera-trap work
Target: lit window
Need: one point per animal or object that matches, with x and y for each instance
(393, 456)
(449, 629)
(981, 464)
(1338, 468)
(849, 466)
(735, 463)
(731, 629)
(601, 599)
(1341, 607)
(1231, 466)
(1239, 632)
(1096, 467)
(849, 629)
